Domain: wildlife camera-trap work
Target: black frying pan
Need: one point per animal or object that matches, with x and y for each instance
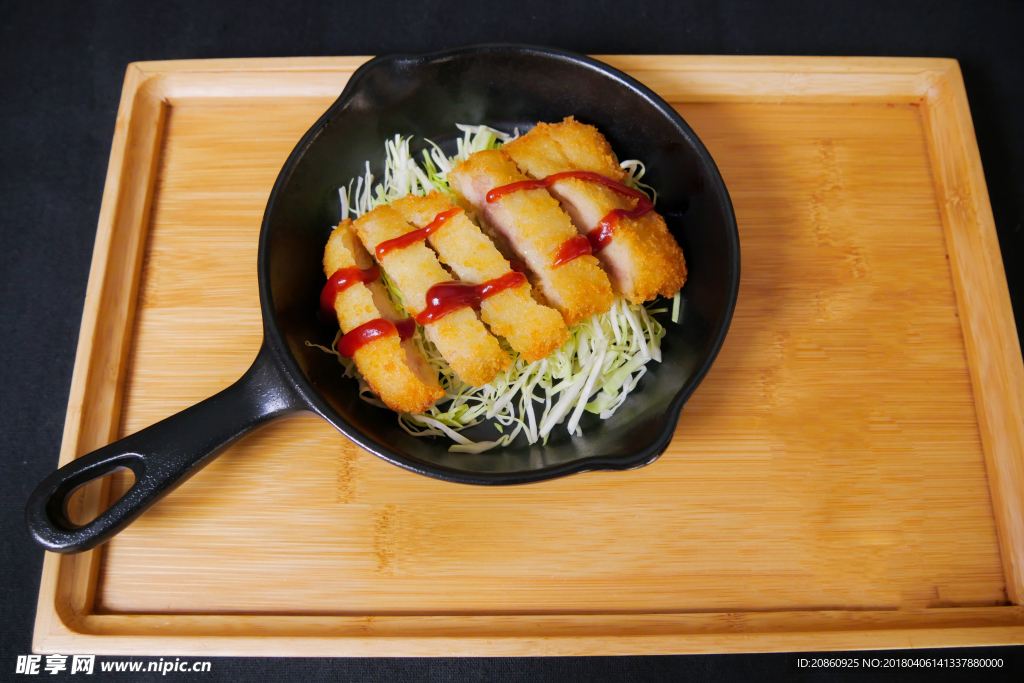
(504, 86)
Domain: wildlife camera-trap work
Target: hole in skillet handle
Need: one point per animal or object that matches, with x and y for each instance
(425, 96)
(87, 501)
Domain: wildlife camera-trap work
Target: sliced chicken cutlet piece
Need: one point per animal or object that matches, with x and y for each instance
(643, 260)
(473, 353)
(531, 225)
(395, 370)
(530, 328)
(567, 146)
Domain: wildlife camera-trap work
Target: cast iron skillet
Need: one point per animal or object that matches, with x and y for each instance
(504, 86)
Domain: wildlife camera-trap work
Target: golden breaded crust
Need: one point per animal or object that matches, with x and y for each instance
(643, 260)
(459, 243)
(383, 365)
(419, 211)
(354, 306)
(335, 258)
(473, 353)
(530, 328)
(494, 164)
(396, 371)
(537, 154)
(413, 269)
(659, 265)
(583, 287)
(344, 250)
(534, 226)
(572, 146)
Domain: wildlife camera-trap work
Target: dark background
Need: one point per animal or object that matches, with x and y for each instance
(61, 71)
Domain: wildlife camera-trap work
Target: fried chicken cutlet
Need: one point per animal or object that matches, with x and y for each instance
(529, 327)
(473, 353)
(529, 225)
(395, 369)
(642, 259)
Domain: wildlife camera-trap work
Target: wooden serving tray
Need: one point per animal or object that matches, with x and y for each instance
(849, 475)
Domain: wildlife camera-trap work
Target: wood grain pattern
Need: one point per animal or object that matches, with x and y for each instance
(827, 485)
(984, 303)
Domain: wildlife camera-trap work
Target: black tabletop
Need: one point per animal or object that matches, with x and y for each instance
(61, 70)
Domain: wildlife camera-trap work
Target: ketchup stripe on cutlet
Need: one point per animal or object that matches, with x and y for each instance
(415, 236)
(375, 329)
(574, 247)
(445, 297)
(601, 236)
(342, 279)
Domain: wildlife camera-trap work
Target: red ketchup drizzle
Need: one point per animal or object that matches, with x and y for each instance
(405, 327)
(363, 335)
(499, 192)
(445, 297)
(339, 282)
(601, 235)
(572, 248)
(415, 236)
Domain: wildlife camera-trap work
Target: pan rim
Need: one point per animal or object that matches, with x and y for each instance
(289, 366)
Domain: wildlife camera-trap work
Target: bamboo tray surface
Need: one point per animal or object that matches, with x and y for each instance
(849, 474)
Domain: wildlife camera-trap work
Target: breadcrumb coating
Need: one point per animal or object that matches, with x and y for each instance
(530, 328)
(473, 353)
(395, 370)
(532, 226)
(643, 260)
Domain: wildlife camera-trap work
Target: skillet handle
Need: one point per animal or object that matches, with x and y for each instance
(161, 456)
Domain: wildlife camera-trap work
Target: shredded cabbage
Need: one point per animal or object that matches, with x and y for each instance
(594, 371)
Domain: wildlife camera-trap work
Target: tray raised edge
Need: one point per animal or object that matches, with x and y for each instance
(64, 622)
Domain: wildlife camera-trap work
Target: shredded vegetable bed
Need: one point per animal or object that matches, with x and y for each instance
(594, 371)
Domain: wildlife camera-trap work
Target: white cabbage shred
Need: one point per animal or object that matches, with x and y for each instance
(594, 371)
